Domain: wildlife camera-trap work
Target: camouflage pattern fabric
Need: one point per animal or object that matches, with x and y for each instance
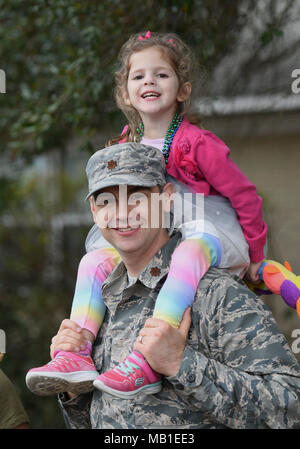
(237, 370)
(126, 163)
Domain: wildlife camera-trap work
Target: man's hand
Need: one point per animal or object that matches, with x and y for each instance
(70, 337)
(163, 345)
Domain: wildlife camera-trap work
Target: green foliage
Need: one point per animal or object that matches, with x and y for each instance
(59, 59)
(270, 34)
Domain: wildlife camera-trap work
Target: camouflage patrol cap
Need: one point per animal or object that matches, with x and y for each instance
(126, 163)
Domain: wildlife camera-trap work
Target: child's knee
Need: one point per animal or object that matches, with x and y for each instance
(99, 259)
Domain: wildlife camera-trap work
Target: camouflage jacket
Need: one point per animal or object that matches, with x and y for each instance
(237, 370)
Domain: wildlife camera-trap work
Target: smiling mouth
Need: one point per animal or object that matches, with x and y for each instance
(150, 95)
(127, 230)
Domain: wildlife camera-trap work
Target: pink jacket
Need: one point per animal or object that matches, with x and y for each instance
(201, 160)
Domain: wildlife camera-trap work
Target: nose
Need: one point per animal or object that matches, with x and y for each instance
(122, 207)
(122, 216)
(149, 79)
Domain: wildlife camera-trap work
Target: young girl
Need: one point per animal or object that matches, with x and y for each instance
(153, 89)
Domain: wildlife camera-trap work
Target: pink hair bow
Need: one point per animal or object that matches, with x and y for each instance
(147, 36)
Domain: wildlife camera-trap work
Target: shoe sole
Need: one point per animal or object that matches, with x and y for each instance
(147, 389)
(50, 383)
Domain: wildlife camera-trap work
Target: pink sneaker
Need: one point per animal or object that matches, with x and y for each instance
(130, 377)
(68, 371)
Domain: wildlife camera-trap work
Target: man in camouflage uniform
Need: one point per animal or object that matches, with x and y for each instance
(227, 367)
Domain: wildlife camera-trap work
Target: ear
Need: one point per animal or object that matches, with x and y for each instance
(93, 207)
(169, 190)
(126, 98)
(184, 92)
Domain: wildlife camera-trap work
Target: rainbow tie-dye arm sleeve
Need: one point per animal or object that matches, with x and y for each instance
(190, 261)
(88, 308)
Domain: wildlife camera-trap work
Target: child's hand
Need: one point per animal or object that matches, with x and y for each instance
(251, 274)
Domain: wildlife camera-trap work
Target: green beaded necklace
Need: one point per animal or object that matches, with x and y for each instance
(174, 125)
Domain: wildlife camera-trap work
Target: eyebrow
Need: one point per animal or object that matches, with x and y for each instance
(133, 189)
(155, 69)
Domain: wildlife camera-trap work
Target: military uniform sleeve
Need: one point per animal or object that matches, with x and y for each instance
(76, 411)
(242, 374)
(12, 413)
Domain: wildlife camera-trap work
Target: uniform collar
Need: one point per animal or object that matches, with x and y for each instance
(157, 268)
(160, 264)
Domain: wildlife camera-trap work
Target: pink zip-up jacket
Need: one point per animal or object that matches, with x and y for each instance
(201, 160)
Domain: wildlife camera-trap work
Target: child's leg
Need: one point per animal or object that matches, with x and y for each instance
(88, 308)
(190, 261)
(76, 371)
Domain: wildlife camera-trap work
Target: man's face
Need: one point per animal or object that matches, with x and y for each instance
(129, 218)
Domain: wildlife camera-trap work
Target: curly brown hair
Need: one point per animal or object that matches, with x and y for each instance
(178, 54)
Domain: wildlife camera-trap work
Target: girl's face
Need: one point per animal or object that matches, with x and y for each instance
(153, 86)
